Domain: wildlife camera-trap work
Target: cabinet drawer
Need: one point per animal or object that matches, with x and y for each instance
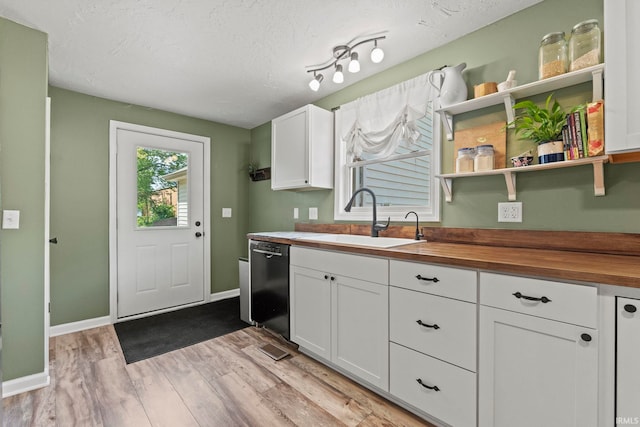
(359, 267)
(434, 279)
(576, 304)
(454, 339)
(454, 402)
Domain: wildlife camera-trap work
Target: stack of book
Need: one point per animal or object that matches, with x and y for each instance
(583, 135)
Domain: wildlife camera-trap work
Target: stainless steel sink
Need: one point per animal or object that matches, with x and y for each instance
(358, 240)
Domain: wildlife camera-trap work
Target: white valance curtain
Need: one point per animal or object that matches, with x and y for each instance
(378, 123)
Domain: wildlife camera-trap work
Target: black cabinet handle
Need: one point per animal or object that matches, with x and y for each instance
(333, 278)
(54, 240)
(421, 323)
(543, 300)
(434, 388)
(630, 308)
(585, 337)
(428, 279)
(326, 277)
(198, 234)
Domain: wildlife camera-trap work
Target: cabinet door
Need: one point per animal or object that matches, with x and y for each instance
(310, 294)
(622, 65)
(360, 329)
(627, 366)
(289, 150)
(536, 372)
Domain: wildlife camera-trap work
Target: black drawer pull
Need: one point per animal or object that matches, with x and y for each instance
(543, 300)
(630, 308)
(434, 388)
(585, 337)
(421, 323)
(326, 277)
(427, 279)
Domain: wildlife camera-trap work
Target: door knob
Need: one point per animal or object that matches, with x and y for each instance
(198, 234)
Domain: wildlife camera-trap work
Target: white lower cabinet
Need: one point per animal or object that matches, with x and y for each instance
(360, 329)
(340, 311)
(433, 386)
(310, 308)
(535, 371)
(627, 363)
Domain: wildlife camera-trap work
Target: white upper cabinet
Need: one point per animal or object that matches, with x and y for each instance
(622, 67)
(302, 150)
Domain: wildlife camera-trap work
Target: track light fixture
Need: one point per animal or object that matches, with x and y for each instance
(344, 52)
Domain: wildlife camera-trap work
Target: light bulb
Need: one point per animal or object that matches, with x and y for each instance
(314, 84)
(377, 54)
(354, 65)
(338, 77)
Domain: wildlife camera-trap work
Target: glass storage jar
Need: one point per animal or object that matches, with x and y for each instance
(464, 161)
(483, 161)
(552, 55)
(584, 45)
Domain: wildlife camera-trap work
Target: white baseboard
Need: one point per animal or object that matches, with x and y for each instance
(67, 328)
(23, 384)
(225, 294)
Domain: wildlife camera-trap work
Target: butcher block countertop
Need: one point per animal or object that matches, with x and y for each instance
(571, 257)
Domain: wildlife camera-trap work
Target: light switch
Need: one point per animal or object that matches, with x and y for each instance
(226, 212)
(313, 213)
(296, 213)
(10, 220)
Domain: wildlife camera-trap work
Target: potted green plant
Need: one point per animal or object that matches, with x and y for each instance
(542, 125)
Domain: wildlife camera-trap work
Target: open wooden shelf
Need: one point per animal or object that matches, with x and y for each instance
(508, 97)
(446, 180)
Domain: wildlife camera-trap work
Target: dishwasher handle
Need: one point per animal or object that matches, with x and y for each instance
(268, 253)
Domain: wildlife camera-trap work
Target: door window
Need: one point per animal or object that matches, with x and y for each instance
(163, 196)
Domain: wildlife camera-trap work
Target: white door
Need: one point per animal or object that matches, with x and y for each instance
(536, 372)
(160, 222)
(627, 366)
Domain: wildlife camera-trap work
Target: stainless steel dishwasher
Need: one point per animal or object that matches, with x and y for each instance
(270, 286)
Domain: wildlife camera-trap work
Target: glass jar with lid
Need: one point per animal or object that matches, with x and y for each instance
(584, 45)
(464, 161)
(552, 55)
(483, 160)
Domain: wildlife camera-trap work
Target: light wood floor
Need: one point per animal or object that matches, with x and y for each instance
(223, 382)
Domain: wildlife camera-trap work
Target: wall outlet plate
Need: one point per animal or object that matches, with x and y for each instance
(226, 212)
(296, 213)
(510, 212)
(313, 213)
(10, 219)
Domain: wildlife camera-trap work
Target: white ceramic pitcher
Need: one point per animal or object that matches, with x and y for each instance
(449, 84)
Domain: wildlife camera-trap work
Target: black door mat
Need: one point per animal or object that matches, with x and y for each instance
(162, 333)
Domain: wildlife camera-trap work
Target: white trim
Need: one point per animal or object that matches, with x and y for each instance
(231, 293)
(24, 384)
(47, 231)
(114, 125)
(81, 325)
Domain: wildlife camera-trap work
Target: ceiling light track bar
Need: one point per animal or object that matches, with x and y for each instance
(342, 52)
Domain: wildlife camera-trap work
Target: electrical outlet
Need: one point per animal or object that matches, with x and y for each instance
(313, 213)
(510, 212)
(296, 213)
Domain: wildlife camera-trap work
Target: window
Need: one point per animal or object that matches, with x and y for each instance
(397, 163)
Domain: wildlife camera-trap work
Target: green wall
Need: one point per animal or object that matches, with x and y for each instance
(552, 200)
(23, 90)
(80, 198)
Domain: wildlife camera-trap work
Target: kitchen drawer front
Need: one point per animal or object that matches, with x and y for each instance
(454, 403)
(576, 304)
(454, 339)
(359, 267)
(434, 279)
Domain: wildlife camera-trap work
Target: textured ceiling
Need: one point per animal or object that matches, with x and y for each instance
(239, 62)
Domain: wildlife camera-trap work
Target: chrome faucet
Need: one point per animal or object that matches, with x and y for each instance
(418, 234)
(375, 227)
